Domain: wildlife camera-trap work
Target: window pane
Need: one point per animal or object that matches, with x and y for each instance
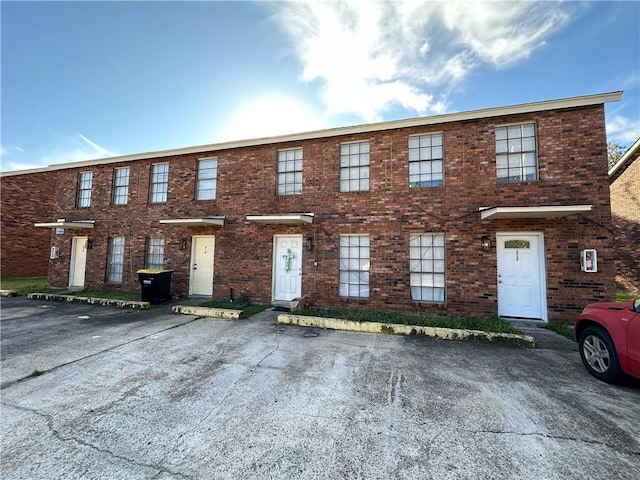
(427, 266)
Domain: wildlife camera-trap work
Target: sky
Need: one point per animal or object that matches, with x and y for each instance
(85, 80)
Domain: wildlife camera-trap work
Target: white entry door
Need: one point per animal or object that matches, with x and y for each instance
(78, 263)
(201, 278)
(287, 267)
(521, 274)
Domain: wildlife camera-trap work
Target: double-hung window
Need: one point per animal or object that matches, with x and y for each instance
(121, 186)
(354, 266)
(427, 267)
(354, 166)
(84, 189)
(290, 172)
(155, 253)
(207, 179)
(159, 182)
(425, 160)
(516, 156)
(115, 260)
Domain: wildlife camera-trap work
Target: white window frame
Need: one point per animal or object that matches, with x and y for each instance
(516, 152)
(159, 185)
(426, 160)
(115, 261)
(355, 160)
(427, 267)
(121, 185)
(355, 265)
(85, 183)
(290, 171)
(207, 184)
(154, 253)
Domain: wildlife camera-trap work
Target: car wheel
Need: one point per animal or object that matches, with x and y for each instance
(599, 355)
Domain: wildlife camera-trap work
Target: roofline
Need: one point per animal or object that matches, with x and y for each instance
(631, 151)
(571, 102)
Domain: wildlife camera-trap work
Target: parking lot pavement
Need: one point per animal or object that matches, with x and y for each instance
(207, 398)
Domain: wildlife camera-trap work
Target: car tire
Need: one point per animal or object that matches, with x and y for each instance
(599, 356)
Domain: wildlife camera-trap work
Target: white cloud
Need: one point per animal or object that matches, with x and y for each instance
(622, 130)
(370, 56)
(79, 148)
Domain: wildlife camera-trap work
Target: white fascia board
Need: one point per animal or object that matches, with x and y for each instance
(83, 224)
(551, 211)
(291, 218)
(194, 221)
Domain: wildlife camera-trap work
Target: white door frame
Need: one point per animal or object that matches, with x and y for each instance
(193, 260)
(75, 242)
(274, 263)
(542, 271)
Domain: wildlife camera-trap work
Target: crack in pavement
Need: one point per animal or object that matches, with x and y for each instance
(553, 437)
(71, 362)
(49, 422)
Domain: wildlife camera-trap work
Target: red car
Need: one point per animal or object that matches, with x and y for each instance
(608, 336)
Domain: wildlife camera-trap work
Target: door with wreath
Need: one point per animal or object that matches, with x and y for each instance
(287, 267)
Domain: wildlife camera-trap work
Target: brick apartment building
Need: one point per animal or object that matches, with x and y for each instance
(27, 196)
(625, 209)
(478, 213)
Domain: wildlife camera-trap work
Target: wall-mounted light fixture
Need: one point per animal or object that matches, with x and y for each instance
(183, 243)
(308, 244)
(486, 243)
(89, 243)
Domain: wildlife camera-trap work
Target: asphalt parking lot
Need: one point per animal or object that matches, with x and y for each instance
(97, 392)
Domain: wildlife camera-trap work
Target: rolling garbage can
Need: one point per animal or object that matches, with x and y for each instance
(155, 284)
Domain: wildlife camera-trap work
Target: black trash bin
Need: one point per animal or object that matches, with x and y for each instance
(155, 284)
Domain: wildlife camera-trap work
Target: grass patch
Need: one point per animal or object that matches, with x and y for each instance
(248, 309)
(624, 296)
(110, 294)
(561, 328)
(24, 286)
(485, 324)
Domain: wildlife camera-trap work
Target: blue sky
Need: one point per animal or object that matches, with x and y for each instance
(85, 80)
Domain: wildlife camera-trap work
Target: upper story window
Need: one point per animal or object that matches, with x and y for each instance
(154, 255)
(85, 179)
(159, 182)
(516, 158)
(290, 172)
(207, 179)
(354, 166)
(425, 160)
(354, 266)
(121, 186)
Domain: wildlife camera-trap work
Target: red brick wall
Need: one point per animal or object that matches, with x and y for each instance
(573, 170)
(25, 200)
(625, 209)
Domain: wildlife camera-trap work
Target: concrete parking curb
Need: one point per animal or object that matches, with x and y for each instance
(107, 302)
(227, 313)
(8, 293)
(396, 329)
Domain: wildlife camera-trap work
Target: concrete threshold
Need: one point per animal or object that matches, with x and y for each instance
(396, 329)
(106, 302)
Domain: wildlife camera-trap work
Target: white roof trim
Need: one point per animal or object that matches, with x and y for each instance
(551, 211)
(194, 221)
(632, 150)
(65, 224)
(572, 102)
(289, 218)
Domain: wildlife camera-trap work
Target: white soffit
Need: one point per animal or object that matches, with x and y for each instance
(65, 224)
(552, 211)
(290, 218)
(194, 221)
